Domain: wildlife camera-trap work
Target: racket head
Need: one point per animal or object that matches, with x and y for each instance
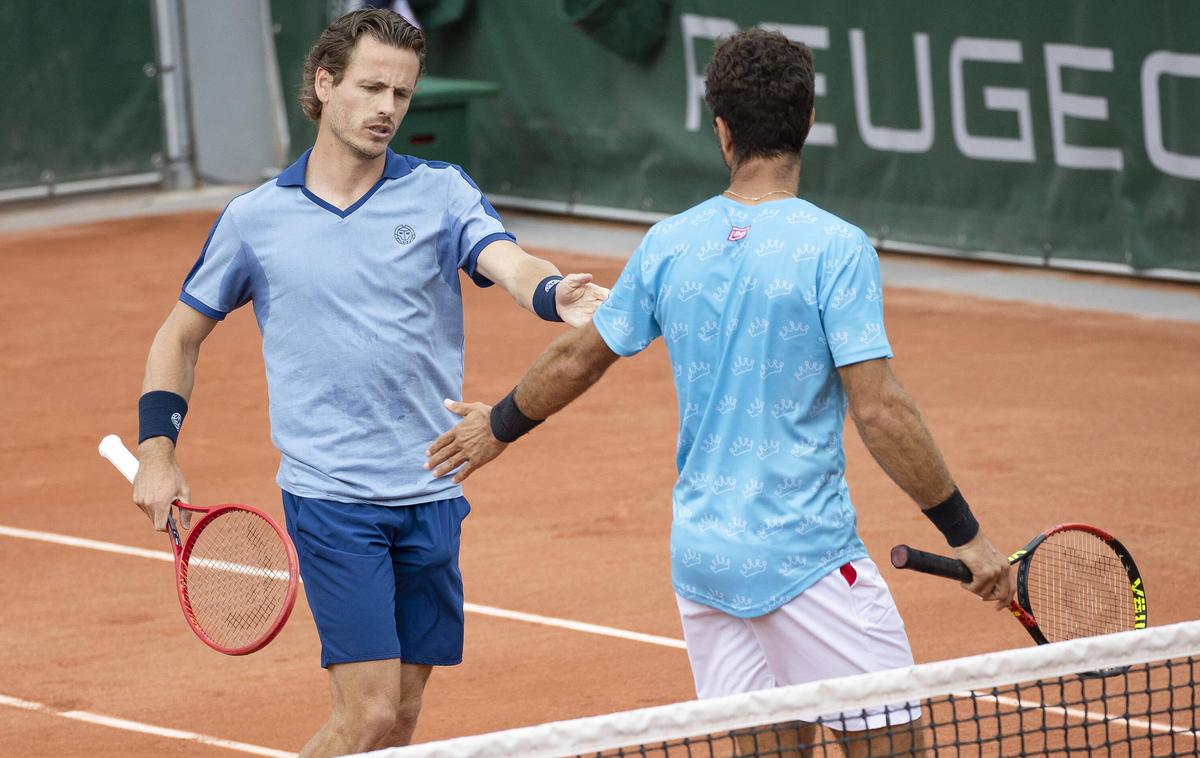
(237, 577)
(1077, 580)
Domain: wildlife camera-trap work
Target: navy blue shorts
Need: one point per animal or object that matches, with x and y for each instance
(382, 582)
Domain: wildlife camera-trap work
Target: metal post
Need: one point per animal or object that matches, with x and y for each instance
(283, 139)
(172, 85)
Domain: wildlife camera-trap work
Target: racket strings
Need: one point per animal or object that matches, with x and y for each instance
(1078, 587)
(237, 578)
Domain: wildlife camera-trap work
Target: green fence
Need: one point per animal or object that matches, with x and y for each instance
(79, 91)
(1060, 131)
(1051, 131)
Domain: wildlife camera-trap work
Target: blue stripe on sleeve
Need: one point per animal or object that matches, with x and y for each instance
(200, 307)
(473, 257)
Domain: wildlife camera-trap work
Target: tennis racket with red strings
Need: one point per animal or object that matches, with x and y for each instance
(236, 572)
(1073, 580)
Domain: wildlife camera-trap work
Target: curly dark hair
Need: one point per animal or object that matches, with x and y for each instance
(761, 84)
(332, 49)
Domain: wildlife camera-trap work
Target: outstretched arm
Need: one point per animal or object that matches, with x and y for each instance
(575, 299)
(170, 367)
(564, 371)
(891, 427)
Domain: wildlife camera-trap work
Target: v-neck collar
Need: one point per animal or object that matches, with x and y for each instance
(293, 176)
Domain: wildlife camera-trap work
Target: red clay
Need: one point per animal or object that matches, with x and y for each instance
(1044, 416)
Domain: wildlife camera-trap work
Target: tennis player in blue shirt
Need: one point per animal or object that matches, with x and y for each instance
(350, 258)
(772, 312)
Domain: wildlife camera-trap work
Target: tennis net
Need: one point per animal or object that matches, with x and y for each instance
(1127, 694)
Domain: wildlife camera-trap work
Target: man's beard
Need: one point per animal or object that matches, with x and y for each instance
(370, 150)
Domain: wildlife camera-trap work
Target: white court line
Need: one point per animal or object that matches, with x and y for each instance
(575, 626)
(137, 726)
(239, 568)
(105, 547)
(483, 610)
(1083, 715)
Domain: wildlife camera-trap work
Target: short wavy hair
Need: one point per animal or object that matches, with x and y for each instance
(332, 49)
(761, 84)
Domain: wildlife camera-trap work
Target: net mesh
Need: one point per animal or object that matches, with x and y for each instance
(1078, 587)
(1033, 701)
(237, 578)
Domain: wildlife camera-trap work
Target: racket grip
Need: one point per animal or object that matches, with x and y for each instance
(905, 557)
(119, 456)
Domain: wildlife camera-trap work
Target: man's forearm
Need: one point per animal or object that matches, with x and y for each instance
(898, 439)
(171, 364)
(533, 272)
(170, 367)
(515, 270)
(564, 371)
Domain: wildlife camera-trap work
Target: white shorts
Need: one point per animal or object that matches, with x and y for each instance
(845, 624)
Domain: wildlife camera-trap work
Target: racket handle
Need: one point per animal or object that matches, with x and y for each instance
(905, 557)
(119, 456)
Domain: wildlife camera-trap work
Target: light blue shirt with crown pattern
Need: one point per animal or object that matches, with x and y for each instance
(758, 305)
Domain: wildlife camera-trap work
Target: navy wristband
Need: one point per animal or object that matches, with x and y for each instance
(543, 298)
(160, 414)
(508, 422)
(954, 519)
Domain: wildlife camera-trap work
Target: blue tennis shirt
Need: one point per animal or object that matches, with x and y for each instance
(360, 312)
(758, 306)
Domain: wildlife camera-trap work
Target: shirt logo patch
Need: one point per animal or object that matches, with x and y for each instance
(404, 234)
(738, 233)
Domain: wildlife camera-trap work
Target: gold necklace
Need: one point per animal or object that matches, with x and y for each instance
(760, 197)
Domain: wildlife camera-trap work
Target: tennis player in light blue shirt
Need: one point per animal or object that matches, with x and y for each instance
(772, 312)
(351, 259)
(758, 306)
(360, 311)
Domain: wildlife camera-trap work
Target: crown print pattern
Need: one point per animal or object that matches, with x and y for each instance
(756, 324)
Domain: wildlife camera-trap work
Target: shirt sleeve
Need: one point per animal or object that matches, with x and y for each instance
(850, 299)
(221, 280)
(626, 321)
(473, 225)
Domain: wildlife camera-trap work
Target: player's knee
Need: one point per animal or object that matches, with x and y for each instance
(369, 721)
(403, 724)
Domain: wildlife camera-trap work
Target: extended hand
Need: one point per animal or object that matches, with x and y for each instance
(577, 298)
(468, 446)
(993, 580)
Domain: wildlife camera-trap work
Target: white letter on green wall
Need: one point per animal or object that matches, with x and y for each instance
(1019, 148)
(1063, 104)
(917, 140)
(694, 28)
(1156, 66)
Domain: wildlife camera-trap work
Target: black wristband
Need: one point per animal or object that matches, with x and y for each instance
(543, 298)
(508, 422)
(954, 520)
(160, 414)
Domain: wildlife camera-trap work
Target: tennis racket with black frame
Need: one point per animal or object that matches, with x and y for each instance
(1073, 580)
(236, 573)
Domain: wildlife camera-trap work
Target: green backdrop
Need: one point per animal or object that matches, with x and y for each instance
(1055, 131)
(78, 102)
(1060, 130)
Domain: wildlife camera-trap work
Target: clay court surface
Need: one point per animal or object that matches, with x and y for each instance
(1044, 416)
